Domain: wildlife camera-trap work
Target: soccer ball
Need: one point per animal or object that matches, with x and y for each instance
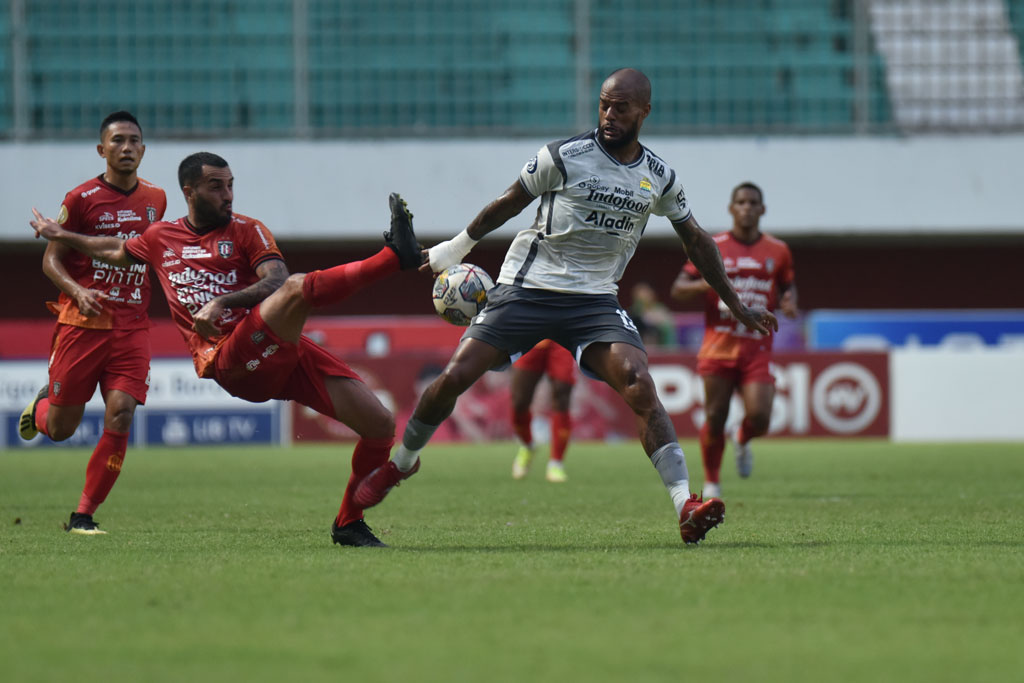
(461, 292)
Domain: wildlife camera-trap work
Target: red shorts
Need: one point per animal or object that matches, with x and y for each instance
(255, 364)
(751, 367)
(81, 358)
(550, 358)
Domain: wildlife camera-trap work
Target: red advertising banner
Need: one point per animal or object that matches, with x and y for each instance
(817, 394)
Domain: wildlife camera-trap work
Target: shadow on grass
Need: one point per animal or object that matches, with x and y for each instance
(590, 548)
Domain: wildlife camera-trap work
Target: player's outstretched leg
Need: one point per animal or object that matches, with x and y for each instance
(27, 427)
(379, 483)
(401, 237)
(699, 517)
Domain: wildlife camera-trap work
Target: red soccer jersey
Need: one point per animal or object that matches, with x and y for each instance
(195, 267)
(758, 271)
(98, 208)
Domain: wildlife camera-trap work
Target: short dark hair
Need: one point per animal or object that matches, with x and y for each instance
(119, 116)
(747, 186)
(191, 167)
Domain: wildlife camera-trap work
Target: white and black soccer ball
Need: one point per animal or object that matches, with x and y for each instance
(460, 292)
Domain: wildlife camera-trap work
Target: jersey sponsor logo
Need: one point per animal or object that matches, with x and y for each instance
(128, 216)
(270, 350)
(681, 198)
(624, 203)
(62, 215)
(748, 262)
(151, 213)
(751, 284)
(252, 365)
(130, 276)
(257, 336)
(657, 168)
(195, 252)
(225, 248)
(89, 192)
(591, 183)
(531, 166)
(195, 288)
(577, 150)
(603, 220)
(169, 253)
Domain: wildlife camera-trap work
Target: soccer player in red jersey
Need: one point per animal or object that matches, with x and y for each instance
(102, 332)
(242, 314)
(731, 358)
(546, 358)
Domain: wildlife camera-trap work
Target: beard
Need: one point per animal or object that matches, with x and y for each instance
(628, 137)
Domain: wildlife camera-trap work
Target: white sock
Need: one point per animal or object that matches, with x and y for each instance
(404, 459)
(680, 492)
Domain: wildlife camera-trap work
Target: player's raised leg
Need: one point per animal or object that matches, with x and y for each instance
(471, 360)
(285, 311)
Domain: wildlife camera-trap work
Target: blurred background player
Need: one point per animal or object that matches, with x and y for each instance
(242, 315)
(653, 319)
(102, 332)
(546, 358)
(731, 358)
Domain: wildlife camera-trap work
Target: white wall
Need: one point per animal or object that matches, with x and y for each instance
(339, 189)
(943, 395)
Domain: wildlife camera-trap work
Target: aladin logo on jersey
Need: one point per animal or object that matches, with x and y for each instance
(114, 462)
(225, 248)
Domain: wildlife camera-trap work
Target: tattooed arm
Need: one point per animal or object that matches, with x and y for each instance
(704, 253)
(272, 274)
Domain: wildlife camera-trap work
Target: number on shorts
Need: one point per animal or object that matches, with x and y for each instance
(627, 322)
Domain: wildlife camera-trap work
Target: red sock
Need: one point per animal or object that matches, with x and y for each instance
(322, 287)
(102, 470)
(711, 448)
(561, 429)
(521, 423)
(42, 408)
(368, 456)
(746, 431)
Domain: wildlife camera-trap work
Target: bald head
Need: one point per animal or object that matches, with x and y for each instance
(625, 103)
(630, 81)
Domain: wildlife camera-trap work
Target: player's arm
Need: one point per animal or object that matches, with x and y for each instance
(89, 300)
(107, 249)
(509, 205)
(686, 286)
(787, 300)
(272, 274)
(704, 253)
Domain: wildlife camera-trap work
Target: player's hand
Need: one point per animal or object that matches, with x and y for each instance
(757, 319)
(204, 322)
(89, 301)
(45, 227)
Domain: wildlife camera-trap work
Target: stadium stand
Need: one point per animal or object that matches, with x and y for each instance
(274, 68)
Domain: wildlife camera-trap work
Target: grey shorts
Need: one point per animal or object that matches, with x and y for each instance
(516, 318)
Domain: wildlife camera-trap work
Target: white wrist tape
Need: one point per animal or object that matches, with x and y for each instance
(447, 254)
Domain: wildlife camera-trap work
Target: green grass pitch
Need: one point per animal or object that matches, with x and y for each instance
(839, 560)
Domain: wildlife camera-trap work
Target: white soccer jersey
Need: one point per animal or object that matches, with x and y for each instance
(592, 213)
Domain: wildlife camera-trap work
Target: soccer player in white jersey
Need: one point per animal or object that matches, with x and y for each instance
(558, 282)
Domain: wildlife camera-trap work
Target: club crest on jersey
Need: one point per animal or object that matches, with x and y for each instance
(151, 213)
(56, 388)
(257, 336)
(769, 265)
(225, 248)
(645, 186)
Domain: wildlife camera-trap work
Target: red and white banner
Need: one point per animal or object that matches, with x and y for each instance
(817, 394)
